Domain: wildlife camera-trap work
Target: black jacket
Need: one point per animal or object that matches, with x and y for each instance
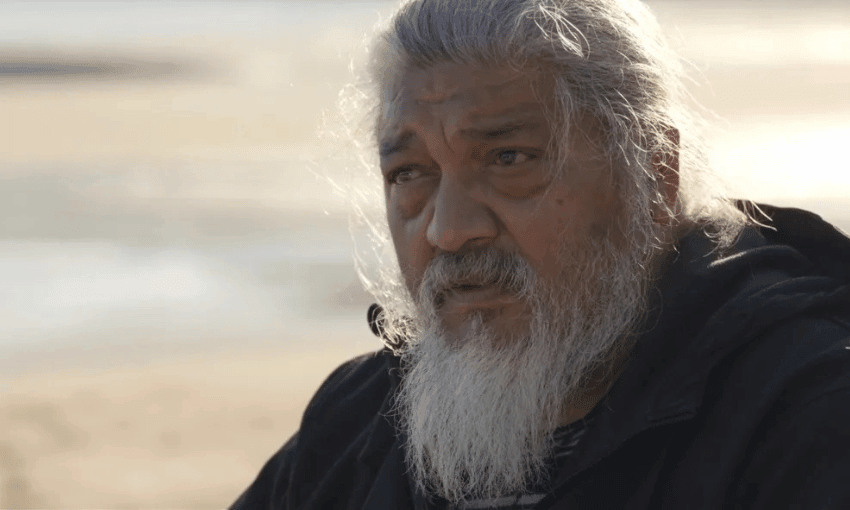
(737, 396)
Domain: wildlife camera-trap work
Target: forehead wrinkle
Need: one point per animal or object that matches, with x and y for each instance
(519, 111)
(497, 132)
(446, 136)
(520, 119)
(471, 122)
(430, 93)
(492, 127)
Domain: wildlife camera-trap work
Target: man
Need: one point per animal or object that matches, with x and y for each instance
(577, 320)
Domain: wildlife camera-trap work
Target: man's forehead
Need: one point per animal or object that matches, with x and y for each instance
(447, 82)
(485, 102)
(521, 117)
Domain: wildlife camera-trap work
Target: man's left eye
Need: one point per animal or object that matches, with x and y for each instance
(510, 157)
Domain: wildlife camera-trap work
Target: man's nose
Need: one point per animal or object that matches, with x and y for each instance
(459, 220)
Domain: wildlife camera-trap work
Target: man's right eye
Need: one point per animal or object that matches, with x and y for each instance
(402, 175)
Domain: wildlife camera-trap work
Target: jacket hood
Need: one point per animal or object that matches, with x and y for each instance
(716, 301)
(825, 246)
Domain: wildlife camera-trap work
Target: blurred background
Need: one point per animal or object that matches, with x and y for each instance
(175, 281)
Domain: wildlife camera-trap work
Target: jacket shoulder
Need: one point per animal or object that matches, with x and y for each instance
(800, 451)
(771, 431)
(353, 392)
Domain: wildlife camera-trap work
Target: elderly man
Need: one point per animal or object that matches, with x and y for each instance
(578, 320)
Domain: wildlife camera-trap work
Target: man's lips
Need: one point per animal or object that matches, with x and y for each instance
(464, 298)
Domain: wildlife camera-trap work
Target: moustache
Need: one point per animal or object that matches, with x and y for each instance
(489, 267)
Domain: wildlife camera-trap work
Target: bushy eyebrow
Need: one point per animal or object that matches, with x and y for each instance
(395, 144)
(490, 133)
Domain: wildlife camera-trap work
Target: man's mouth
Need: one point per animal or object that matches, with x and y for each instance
(493, 304)
(447, 292)
(467, 297)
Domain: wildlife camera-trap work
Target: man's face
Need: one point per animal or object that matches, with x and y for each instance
(523, 279)
(467, 167)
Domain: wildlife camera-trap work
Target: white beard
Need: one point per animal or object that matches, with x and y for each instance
(478, 412)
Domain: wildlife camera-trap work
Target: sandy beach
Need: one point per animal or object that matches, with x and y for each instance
(189, 433)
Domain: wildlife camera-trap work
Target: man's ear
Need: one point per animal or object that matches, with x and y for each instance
(666, 169)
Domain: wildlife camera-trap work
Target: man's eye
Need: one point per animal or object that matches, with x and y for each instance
(403, 175)
(510, 157)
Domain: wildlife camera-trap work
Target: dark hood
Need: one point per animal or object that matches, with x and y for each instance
(710, 305)
(713, 301)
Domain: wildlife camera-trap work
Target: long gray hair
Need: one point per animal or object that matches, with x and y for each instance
(607, 60)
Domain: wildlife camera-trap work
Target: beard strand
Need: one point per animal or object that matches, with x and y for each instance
(478, 412)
